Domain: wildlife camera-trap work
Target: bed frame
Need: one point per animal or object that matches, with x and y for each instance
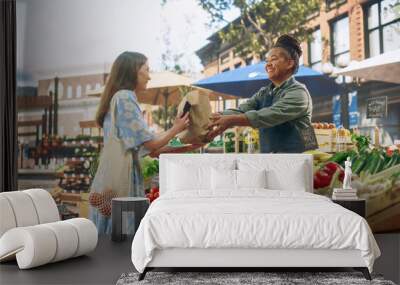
(242, 259)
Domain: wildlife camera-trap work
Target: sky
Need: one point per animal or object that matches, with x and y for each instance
(71, 37)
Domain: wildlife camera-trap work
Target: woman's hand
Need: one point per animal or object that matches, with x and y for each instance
(161, 140)
(181, 124)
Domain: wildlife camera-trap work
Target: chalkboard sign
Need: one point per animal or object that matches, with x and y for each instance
(377, 107)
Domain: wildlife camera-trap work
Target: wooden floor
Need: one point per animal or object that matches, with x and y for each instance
(110, 259)
(102, 266)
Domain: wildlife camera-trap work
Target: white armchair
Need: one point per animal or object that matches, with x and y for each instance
(31, 230)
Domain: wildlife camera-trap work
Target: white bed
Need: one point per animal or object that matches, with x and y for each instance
(202, 220)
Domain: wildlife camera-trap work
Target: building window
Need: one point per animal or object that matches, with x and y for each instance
(51, 88)
(301, 60)
(315, 50)
(242, 100)
(225, 58)
(330, 4)
(230, 104)
(60, 89)
(249, 60)
(69, 92)
(383, 27)
(79, 91)
(340, 41)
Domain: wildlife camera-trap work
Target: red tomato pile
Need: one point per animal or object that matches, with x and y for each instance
(323, 177)
(153, 194)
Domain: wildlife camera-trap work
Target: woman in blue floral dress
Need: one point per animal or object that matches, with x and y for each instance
(129, 74)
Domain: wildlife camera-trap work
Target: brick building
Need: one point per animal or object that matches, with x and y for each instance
(74, 104)
(342, 31)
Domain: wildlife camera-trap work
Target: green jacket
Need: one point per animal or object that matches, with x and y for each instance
(277, 112)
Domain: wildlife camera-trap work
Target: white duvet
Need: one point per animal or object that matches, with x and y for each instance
(253, 218)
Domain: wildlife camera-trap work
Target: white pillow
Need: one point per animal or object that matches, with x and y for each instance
(194, 175)
(251, 178)
(279, 180)
(182, 177)
(223, 179)
(282, 174)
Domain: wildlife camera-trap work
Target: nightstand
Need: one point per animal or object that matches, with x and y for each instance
(119, 208)
(358, 206)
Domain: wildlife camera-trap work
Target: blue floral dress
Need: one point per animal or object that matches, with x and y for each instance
(133, 131)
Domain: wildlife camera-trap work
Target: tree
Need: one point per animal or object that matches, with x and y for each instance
(261, 22)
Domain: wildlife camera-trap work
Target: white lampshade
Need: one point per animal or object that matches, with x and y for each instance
(327, 67)
(342, 61)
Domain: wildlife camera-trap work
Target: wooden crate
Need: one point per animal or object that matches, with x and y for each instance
(326, 139)
(84, 205)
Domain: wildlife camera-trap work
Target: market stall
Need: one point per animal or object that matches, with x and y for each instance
(376, 177)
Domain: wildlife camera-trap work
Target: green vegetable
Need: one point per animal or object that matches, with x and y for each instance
(394, 160)
(383, 175)
(149, 167)
(371, 163)
(362, 142)
(175, 142)
(379, 164)
(359, 163)
(339, 157)
(386, 162)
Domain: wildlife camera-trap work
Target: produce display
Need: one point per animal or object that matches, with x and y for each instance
(229, 142)
(149, 167)
(376, 176)
(251, 140)
(77, 160)
(331, 139)
(248, 140)
(153, 194)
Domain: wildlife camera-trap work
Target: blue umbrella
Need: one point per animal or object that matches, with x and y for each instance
(245, 81)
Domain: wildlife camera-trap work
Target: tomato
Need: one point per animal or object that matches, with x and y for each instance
(154, 190)
(323, 177)
(331, 167)
(317, 183)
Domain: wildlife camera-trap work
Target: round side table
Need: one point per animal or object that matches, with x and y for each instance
(119, 205)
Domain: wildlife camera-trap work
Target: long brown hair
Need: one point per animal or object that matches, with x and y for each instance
(123, 75)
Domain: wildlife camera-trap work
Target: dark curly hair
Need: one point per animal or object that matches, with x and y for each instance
(292, 48)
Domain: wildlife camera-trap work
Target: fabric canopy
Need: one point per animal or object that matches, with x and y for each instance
(245, 81)
(384, 67)
(164, 88)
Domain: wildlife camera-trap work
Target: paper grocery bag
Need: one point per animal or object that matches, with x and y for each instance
(199, 115)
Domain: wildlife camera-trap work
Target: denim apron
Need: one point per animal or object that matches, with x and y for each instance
(283, 138)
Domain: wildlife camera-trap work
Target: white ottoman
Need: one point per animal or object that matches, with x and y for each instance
(31, 232)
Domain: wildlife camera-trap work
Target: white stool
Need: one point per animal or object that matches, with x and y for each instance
(31, 230)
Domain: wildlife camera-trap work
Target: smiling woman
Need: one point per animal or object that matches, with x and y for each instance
(281, 110)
